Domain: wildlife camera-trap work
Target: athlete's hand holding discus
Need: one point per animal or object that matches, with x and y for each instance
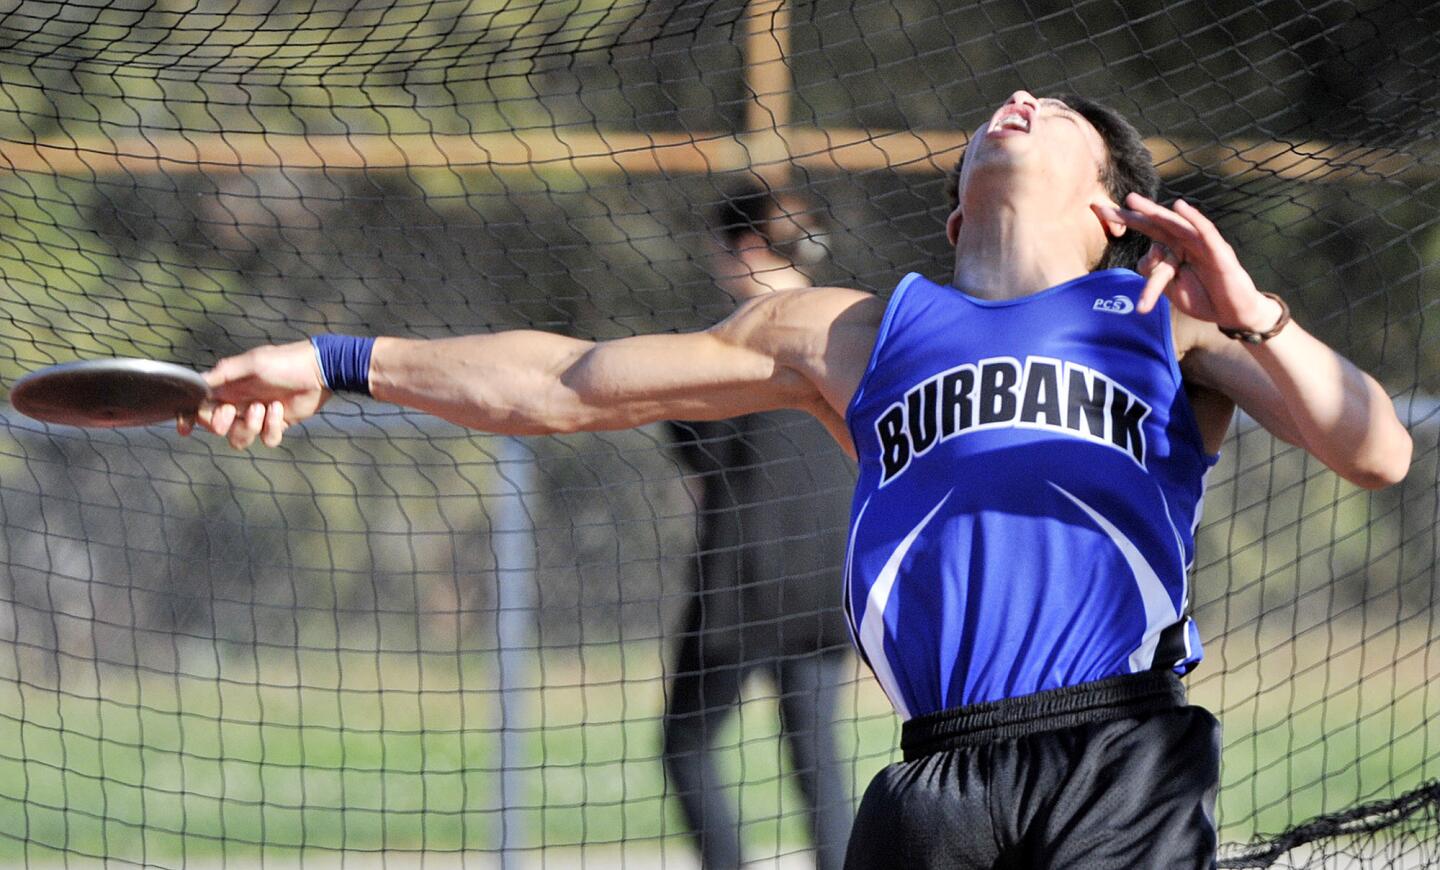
(259, 393)
(803, 349)
(1241, 342)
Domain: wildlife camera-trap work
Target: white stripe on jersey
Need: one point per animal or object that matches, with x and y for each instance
(1160, 612)
(850, 623)
(872, 624)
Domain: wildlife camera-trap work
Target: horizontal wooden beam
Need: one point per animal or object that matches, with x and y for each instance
(518, 151)
(857, 150)
(604, 153)
(1309, 161)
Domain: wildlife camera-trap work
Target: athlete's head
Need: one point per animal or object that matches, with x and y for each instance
(1065, 151)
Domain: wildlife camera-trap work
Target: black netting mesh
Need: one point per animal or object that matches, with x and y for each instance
(397, 638)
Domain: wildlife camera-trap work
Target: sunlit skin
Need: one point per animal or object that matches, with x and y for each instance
(1030, 195)
(1033, 213)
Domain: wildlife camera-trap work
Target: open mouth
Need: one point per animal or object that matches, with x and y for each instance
(1013, 121)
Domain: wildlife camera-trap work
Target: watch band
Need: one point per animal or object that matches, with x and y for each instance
(1252, 337)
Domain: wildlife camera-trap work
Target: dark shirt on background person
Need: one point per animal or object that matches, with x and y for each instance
(773, 506)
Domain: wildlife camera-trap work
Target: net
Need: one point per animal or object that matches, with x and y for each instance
(396, 640)
(1399, 832)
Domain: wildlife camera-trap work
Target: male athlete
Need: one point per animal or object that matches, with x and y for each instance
(1032, 441)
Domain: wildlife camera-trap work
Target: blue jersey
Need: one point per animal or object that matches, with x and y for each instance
(1031, 475)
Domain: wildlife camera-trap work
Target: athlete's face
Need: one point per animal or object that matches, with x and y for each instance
(1036, 147)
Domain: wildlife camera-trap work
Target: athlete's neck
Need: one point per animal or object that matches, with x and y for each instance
(1006, 253)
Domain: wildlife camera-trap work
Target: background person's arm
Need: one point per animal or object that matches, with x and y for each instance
(804, 349)
(1295, 385)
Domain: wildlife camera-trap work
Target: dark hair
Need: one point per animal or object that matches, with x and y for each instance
(1130, 169)
(786, 221)
(748, 208)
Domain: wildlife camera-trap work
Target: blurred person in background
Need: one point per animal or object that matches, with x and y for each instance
(773, 499)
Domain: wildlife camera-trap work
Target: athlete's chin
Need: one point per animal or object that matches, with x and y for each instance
(1014, 162)
(1021, 183)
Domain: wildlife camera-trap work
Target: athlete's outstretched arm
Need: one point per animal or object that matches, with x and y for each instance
(1294, 384)
(801, 349)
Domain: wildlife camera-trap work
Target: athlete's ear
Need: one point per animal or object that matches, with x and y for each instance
(1113, 228)
(952, 226)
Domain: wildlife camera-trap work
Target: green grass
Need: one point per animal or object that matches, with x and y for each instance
(275, 760)
(155, 768)
(1319, 724)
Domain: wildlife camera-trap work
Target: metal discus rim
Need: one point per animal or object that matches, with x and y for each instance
(109, 393)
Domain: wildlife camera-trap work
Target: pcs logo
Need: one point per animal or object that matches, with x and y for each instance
(1114, 305)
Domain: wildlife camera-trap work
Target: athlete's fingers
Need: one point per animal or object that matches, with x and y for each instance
(1134, 220)
(243, 433)
(218, 418)
(254, 421)
(1161, 223)
(274, 428)
(1109, 212)
(1146, 225)
(1153, 255)
(1160, 275)
(1152, 211)
(1159, 265)
(1204, 227)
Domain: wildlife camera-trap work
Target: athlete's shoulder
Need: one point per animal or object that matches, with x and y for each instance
(804, 318)
(825, 334)
(830, 304)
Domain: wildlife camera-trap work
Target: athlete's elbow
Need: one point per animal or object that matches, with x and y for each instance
(515, 412)
(1384, 465)
(552, 418)
(1374, 480)
(562, 409)
(548, 403)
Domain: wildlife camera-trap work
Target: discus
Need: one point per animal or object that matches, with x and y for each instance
(109, 393)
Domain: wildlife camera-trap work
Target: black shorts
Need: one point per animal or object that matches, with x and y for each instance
(1114, 774)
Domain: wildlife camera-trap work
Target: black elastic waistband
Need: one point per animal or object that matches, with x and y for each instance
(1100, 701)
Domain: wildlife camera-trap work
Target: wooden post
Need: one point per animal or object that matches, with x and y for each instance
(769, 82)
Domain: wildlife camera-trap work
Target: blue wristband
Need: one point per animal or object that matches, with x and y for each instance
(344, 362)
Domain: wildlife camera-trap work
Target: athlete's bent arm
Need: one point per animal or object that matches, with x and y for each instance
(802, 349)
(1295, 385)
